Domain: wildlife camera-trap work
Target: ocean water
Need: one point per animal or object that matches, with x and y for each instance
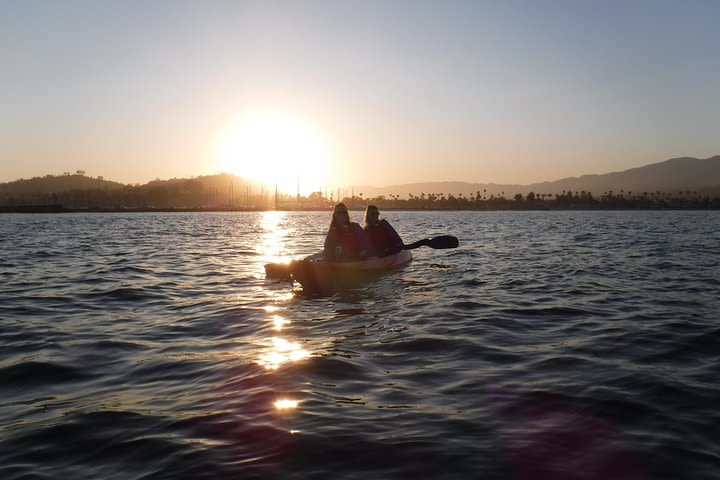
(548, 345)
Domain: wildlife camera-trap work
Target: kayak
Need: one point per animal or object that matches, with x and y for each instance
(319, 276)
(316, 275)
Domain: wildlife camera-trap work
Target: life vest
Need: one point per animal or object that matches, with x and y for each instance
(352, 239)
(383, 236)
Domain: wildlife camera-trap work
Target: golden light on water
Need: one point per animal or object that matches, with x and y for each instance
(272, 243)
(276, 148)
(278, 351)
(282, 352)
(273, 233)
(279, 322)
(283, 296)
(286, 404)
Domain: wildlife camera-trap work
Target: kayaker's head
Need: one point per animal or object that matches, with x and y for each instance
(341, 216)
(372, 215)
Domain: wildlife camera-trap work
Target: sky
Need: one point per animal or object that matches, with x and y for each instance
(385, 92)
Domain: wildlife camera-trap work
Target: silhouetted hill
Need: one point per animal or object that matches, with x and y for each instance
(80, 191)
(674, 175)
(678, 177)
(50, 184)
(670, 176)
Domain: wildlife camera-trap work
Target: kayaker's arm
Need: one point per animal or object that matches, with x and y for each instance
(393, 239)
(363, 240)
(331, 241)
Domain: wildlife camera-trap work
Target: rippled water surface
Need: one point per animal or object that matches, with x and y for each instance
(548, 345)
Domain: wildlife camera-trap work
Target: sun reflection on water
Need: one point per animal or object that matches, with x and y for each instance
(277, 351)
(279, 322)
(282, 352)
(286, 404)
(283, 296)
(272, 245)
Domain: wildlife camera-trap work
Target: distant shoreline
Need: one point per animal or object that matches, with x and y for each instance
(39, 209)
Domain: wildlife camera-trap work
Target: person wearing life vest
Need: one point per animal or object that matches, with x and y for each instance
(383, 237)
(345, 240)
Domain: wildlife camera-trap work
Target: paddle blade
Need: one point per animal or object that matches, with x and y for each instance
(443, 241)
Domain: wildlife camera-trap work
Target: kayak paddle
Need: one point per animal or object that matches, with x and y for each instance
(438, 243)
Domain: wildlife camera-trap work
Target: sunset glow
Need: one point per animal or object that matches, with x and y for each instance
(276, 148)
(356, 94)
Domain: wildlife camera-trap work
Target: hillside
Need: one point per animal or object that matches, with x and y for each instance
(680, 177)
(80, 191)
(674, 175)
(50, 184)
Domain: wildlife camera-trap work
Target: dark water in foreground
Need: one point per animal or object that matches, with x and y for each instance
(549, 345)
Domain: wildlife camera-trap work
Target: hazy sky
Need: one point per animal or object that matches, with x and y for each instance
(399, 91)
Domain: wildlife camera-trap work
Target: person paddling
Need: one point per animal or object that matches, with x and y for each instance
(383, 237)
(345, 240)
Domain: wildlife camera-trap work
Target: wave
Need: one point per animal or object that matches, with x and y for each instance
(40, 373)
(127, 294)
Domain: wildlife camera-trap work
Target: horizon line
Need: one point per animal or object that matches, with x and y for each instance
(346, 186)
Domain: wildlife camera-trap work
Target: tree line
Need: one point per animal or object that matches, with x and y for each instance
(582, 200)
(229, 192)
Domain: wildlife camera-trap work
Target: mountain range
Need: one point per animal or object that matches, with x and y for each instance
(670, 176)
(687, 174)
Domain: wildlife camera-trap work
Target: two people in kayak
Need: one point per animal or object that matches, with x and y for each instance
(347, 240)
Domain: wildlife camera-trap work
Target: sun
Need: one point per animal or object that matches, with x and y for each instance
(276, 148)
